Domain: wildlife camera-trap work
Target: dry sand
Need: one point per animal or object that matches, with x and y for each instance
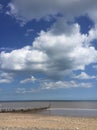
(19, 121)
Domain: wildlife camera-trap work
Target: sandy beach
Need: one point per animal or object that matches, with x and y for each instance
(20, 121)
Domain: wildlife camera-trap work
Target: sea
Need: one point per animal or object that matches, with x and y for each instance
(58, 108)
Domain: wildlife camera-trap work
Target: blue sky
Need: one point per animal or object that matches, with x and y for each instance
(48, 50)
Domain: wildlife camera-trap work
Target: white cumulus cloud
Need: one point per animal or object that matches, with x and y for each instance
(84, 75)
(22, 59)
(65, 84)
(52, 54)
(6, 77)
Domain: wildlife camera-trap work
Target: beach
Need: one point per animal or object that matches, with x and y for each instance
(30, 121)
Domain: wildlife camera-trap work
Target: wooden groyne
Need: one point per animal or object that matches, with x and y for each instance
(24, 110)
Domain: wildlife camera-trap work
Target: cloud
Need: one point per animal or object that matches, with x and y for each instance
(28, 80)
(26, 10)
(93, 16)
(84, 75)
(65, 84)
(6, 77)
(4, 81)
(6, 49)
(22, 59)
(66, 52)
(24, 90)
(1, 7)
(52, 54)
(92, 34)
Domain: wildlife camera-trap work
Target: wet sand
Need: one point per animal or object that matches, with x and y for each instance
(21, 121)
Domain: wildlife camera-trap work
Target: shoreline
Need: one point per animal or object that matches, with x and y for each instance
(31, 121)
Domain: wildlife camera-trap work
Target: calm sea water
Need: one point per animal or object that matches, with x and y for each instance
(63, 108)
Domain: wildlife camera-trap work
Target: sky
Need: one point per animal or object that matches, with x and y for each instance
(48, 50)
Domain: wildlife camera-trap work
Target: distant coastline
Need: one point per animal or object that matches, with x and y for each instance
(48, 100)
